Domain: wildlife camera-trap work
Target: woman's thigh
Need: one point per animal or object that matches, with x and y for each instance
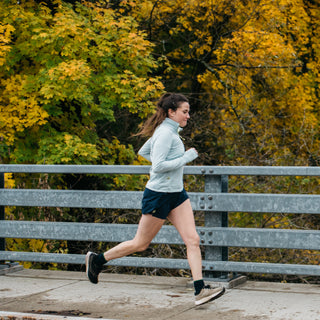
(183, 219)
(148, 227)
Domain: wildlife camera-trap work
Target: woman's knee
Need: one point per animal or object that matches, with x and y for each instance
(140, 246)
(193, 240)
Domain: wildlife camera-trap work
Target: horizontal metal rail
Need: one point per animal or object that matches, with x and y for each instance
(229, 237)
(193, 170)
(230, 266)
(231, 202)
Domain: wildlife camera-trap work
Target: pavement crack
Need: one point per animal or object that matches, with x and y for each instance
(178, 313)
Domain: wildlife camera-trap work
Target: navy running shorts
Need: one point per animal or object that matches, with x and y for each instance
(160, 204)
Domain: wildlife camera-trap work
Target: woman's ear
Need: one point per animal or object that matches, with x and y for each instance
(171, 112)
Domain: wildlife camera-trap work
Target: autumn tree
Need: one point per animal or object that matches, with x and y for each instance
(66, 77)
(250, 68)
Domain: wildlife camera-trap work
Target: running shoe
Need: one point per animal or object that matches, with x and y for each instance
(208, 294)
(92, 268)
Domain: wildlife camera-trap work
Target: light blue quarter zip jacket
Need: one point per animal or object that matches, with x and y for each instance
(167, 154)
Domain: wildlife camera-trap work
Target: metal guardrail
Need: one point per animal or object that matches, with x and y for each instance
(216, 236)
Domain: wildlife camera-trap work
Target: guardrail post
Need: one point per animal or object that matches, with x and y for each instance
(10, 266)
(2, 216)
(216, 184)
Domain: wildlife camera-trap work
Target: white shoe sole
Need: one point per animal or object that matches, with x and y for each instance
(211, 297)
(87, 263)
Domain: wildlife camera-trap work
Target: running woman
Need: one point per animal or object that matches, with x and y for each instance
(164, 196)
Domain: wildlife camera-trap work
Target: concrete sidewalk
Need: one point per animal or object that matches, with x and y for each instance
(40, 294)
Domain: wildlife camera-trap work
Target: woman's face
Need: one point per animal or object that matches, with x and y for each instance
(181, 115)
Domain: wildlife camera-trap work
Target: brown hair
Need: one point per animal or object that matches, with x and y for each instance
(166, 102)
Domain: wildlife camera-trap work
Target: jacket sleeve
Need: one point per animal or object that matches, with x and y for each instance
(160, 148)
(145, 150)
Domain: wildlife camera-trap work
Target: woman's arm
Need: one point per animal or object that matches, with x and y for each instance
(161, 147)
(145, 150)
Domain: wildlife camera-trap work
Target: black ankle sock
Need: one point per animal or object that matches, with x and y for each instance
(101, 259)
(198, 285)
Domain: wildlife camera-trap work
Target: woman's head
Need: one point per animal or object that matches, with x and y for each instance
(171, 101)
(171, 105)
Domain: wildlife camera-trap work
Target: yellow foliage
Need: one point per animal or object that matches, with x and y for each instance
(252, 57)
(5, 38)
(19, 108)
(9, 182)
(68, 149)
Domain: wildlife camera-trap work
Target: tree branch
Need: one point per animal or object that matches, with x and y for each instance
(229, 91)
